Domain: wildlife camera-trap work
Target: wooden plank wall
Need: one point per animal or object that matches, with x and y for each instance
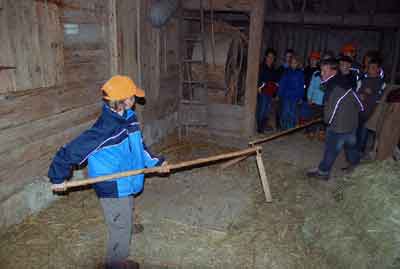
(32, 43)
(40, 115)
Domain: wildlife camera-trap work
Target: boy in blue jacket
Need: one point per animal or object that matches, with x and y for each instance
(291, 91)
(113, 144)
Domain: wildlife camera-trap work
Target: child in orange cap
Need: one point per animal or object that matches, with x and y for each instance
(113, 144)
(349, 50)
(313, 66)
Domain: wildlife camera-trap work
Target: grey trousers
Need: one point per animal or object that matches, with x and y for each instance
(118, 214)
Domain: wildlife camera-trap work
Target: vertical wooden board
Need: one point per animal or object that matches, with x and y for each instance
(7, 77)
(151, 67)
(253, 61)
(126, 28)
(51, 45)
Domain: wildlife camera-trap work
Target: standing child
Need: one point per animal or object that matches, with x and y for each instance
(291, 91)
(287, 59)
(341, 110)
(267, 87)
(309, 71)
(113, 144)
(370, 92)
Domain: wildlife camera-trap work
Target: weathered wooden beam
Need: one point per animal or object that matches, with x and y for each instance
(113, 37)
(253, 61)
(221, 5)
(310, 18)
(377, 20)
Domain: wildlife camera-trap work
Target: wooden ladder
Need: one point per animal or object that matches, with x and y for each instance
(193, 104)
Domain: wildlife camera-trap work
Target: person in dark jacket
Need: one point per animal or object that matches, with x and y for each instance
(113, 144)
(371, 55)
(267, 88)
(341, 112)
(291, 91)
(370, 92)
(350, 75)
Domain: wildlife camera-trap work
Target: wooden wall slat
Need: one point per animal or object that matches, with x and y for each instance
(29, 151)
(40, 154)
(32, 131)
(28, 108)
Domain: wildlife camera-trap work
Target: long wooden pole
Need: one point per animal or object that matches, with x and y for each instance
(89, 181)
(274, 136)
(266, 139)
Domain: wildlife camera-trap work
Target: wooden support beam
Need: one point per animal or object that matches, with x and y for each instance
(263, 176)
(312, 18)
(253, 61)
(395, 58)
(113, 37)
(220, 5)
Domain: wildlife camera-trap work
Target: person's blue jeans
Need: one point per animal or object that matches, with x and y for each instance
(334, 143)
(362, 137)
(263, 107)
(288, 117)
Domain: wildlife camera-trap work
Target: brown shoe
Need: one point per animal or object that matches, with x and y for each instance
(138, 228)
(321, 136)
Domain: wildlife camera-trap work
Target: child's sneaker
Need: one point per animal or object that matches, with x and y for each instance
(316, 173)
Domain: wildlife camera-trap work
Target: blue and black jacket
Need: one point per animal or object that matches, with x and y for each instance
(291, 85)
(113, 144)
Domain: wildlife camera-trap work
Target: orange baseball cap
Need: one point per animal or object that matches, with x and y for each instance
(315, 55)
(348, 48)
(120, 88)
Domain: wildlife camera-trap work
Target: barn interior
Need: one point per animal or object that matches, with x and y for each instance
(199, 64)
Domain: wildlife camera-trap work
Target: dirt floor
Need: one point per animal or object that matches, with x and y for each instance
(200, 218)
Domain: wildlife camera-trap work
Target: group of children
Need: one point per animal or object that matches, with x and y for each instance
(337, 89)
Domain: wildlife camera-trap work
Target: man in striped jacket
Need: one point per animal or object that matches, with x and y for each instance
(341, 112)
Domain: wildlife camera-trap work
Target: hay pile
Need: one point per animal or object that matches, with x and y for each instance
(362, 230)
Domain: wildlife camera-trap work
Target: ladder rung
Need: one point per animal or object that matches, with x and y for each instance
(193, 39)
(191, 102)
(191, 18)
(192, 61)
(194, 81)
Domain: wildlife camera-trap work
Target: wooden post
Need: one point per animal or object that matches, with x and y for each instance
(113, 47)
(396, 58)
(263, 176)
(253, 61)
(138, 43)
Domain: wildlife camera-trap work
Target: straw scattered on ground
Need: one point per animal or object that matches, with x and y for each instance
(362, 229)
